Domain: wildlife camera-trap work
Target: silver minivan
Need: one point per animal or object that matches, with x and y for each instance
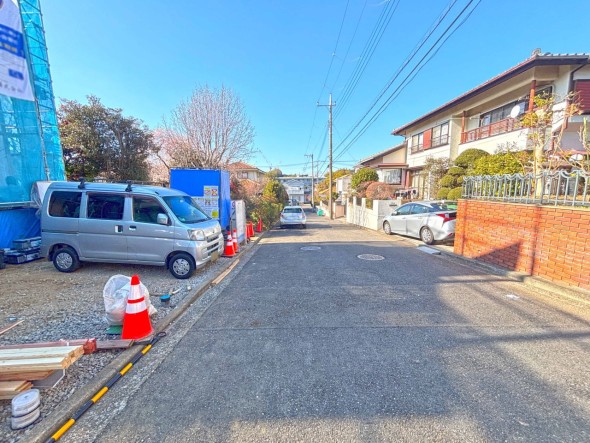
(118, 223)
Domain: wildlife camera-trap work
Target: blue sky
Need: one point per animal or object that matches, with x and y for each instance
(145, 56)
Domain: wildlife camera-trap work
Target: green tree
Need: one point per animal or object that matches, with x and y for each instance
(467, 158)
(363, 175)
(274, 173)
(275, 192)
(497, 164)
(97, 140)
(323, 185)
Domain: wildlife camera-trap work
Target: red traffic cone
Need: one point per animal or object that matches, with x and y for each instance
(236, 244)
(229, 247)
(250, 229)
(136, 322)
(259, 225)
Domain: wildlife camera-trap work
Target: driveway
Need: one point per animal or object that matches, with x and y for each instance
(309, 342)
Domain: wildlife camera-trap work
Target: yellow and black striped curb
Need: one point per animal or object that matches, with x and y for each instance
(108, 385)
(51, 425)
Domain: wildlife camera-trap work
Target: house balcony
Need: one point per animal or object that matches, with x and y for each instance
(497, 128)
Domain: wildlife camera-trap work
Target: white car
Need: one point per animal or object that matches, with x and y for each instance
(429, 221)
(293, 215)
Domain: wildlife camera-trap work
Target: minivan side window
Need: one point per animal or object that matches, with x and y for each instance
(65, 204)
(146, 210)
(106, 206)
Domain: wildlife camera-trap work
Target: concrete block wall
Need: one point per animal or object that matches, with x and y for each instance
(546, 241)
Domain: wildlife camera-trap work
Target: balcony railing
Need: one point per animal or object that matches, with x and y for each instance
(500, 127)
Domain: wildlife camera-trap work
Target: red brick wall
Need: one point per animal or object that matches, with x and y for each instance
(546, 241)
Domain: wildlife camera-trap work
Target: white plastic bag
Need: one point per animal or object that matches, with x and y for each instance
(115, 295)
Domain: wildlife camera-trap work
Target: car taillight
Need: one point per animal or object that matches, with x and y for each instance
(447, 217)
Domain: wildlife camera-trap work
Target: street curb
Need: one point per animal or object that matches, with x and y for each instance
(575, 294)
(53, 422)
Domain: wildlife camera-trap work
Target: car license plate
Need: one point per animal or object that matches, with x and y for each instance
(214, 255)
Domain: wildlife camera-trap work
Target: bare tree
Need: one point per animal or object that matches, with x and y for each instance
(207, 131)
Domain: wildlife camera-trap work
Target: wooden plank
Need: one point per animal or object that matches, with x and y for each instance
(24, 376)
(89, 344)
(43, 352)
(34, 364)
(102, 345)
(11, 385)
(9, 327)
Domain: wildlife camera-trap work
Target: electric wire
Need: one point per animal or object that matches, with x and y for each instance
(405, 82)
(367, 53)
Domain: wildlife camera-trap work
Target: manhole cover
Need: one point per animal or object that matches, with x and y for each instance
(311, 248)
(370, 257)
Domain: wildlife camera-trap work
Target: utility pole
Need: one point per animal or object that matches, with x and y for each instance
(312, 181)
(330, 105)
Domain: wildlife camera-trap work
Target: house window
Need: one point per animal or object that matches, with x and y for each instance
(392, 176)
(440, 135)
(418, 142)
(243, 175)
(503, 112)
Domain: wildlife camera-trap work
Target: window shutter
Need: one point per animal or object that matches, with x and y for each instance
(583, 89)
(427, 139)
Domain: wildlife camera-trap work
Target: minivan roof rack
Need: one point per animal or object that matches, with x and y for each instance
(82, 184)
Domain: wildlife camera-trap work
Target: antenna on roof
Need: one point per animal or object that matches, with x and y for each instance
(128, 188)
(536, 51)
(82, 184)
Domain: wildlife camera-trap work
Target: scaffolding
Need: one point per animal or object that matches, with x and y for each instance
(30, 149)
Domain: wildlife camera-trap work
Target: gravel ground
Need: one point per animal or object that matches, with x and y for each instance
(57, 306)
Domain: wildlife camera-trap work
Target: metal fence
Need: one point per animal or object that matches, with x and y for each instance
(558, 188)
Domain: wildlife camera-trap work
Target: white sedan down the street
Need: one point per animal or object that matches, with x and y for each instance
(429, 221)
(293, 215)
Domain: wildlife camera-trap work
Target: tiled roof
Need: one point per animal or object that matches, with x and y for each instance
(535, 60)
(238, 166)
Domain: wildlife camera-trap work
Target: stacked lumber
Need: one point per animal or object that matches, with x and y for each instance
(36, 363)
(9, 389)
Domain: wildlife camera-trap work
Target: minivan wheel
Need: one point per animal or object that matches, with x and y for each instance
(66, 260)
(386, 228)
(181, 265)
(426, 236)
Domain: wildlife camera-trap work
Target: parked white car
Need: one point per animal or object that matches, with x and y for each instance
(429, 221)
(293, 215)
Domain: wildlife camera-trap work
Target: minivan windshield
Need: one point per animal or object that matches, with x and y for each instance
(185, 209)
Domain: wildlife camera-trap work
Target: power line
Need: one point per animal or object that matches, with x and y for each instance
(327, 75)
(368, 51)
(411, 75)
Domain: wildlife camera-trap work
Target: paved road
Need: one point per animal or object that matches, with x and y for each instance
(321, 346)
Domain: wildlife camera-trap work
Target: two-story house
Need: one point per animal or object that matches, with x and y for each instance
(486, 117)
(244, 171)
(299, 187)
(390, 165)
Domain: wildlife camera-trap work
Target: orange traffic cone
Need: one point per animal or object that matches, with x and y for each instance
(259, 226)
(229, 247)
(136, 322)
(250, 229)
(236, 244)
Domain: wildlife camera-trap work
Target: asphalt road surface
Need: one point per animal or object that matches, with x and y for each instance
(310, 343)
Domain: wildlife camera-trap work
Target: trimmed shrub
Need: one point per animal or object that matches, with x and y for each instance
(361, 176)
(497, 164)
(443, 193)
(467, 159)
(380, 191)
(455, 193)
(448, 181)
(456, 170)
